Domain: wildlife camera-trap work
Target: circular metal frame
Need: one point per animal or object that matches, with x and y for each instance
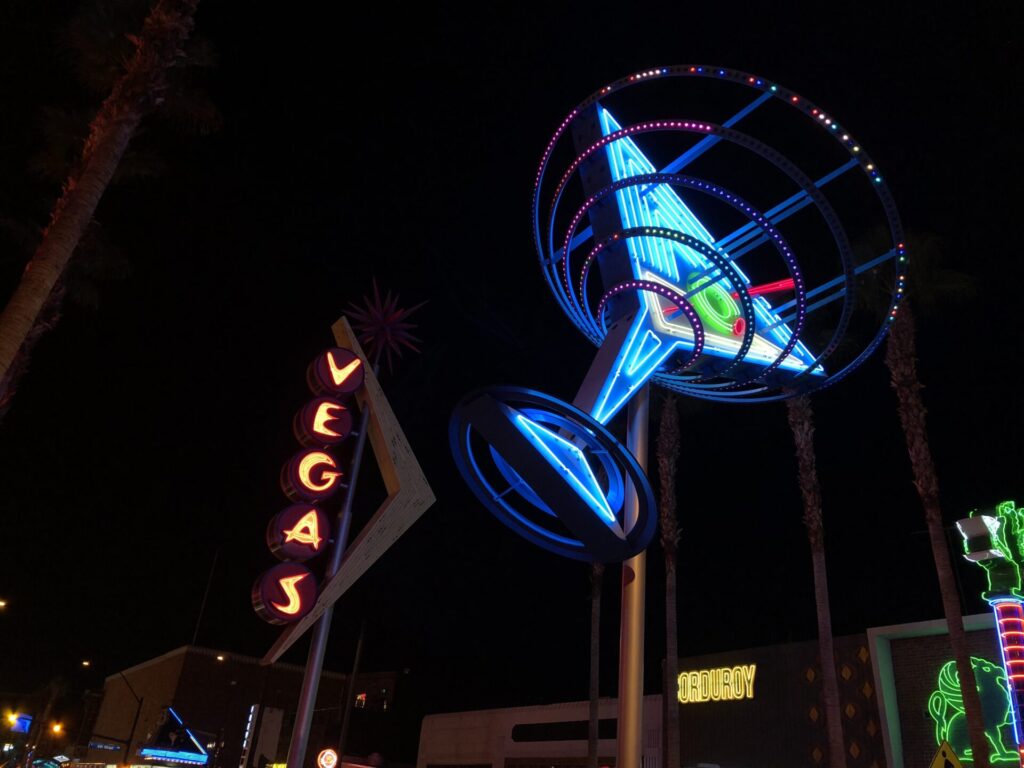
(750, 388)
(617, 463)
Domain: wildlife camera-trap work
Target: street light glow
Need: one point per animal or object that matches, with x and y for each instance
(86, 663)
(57, 728)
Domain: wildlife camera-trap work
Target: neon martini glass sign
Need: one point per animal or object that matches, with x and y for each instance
(672, 305)
(659, 329)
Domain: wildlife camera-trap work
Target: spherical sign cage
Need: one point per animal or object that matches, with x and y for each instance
(807, 264)
(524, 508)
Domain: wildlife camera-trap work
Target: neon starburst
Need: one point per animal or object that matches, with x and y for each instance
(383, 327)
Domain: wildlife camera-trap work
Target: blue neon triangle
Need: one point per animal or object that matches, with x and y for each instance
(571, 462)
(670, 262)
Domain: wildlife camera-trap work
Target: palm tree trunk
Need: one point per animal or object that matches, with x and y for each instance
(668, 459)
(138, 91)
(801, 421)
(901, 358)
(596, 579)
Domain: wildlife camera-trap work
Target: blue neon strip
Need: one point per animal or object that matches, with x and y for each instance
(682, 161)
(664, 208)
(551, 445)
(180, 757)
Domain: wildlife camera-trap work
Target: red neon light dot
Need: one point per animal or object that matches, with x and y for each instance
(739, 327)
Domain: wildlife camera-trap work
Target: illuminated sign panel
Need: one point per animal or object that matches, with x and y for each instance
(720, 684)
(311, 475)
(324, 421)
(288, 591)
(336, 372)
(284, 593)
(298, 532)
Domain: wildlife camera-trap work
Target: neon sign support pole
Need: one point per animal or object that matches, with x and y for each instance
(995, 541)
(1010, 624)
(318, 646)
(631, 631)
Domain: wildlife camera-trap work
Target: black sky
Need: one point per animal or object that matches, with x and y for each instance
(402, 144)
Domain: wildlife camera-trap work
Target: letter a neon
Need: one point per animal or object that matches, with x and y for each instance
(306, 531)
(288, 586)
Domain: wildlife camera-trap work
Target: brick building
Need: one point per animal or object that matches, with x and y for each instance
(240, 712)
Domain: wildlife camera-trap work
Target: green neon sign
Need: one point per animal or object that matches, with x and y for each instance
(946, 707)
(995, 541)
(717, 309)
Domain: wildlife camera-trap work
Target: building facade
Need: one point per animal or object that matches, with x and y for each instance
(762, 708)
(239, 711)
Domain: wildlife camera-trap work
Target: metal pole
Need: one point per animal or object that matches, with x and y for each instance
(317, 648)
(135, 720)
(631, 631)
(350, 689)
(206, 594)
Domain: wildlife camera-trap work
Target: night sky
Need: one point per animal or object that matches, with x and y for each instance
(147, 437)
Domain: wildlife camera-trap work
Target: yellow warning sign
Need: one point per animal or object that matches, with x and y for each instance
(945, 757)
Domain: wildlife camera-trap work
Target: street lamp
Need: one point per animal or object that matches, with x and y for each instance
(86, 663)
(57, 729)
(12, 719)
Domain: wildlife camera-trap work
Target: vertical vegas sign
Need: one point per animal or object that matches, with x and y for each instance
(287, 592)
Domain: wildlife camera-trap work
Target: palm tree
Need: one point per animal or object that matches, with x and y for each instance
(801, 422)
(596, 580)
(668, 458)
(901, 359)
(135, 94)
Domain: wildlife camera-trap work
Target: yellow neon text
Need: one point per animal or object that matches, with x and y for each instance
(323, 415)
(294, 604)
(306, 531)
(721, 684)
(339, 375)
(311, 461)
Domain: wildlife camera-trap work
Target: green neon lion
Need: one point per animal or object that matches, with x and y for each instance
(946, 706)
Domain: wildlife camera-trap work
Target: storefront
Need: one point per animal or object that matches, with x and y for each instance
(762, 708)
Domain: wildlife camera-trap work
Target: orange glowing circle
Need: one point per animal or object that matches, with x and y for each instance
(327, 758)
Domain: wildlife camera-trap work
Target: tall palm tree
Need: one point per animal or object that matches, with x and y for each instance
(135, 94)
(668, 458)
(901, 359)
(801, 422)
(596, 581)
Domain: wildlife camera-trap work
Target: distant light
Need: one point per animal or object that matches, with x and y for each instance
(3, 603)
(86, 663)
(57, 728)
(12, 718)
(220, 657)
